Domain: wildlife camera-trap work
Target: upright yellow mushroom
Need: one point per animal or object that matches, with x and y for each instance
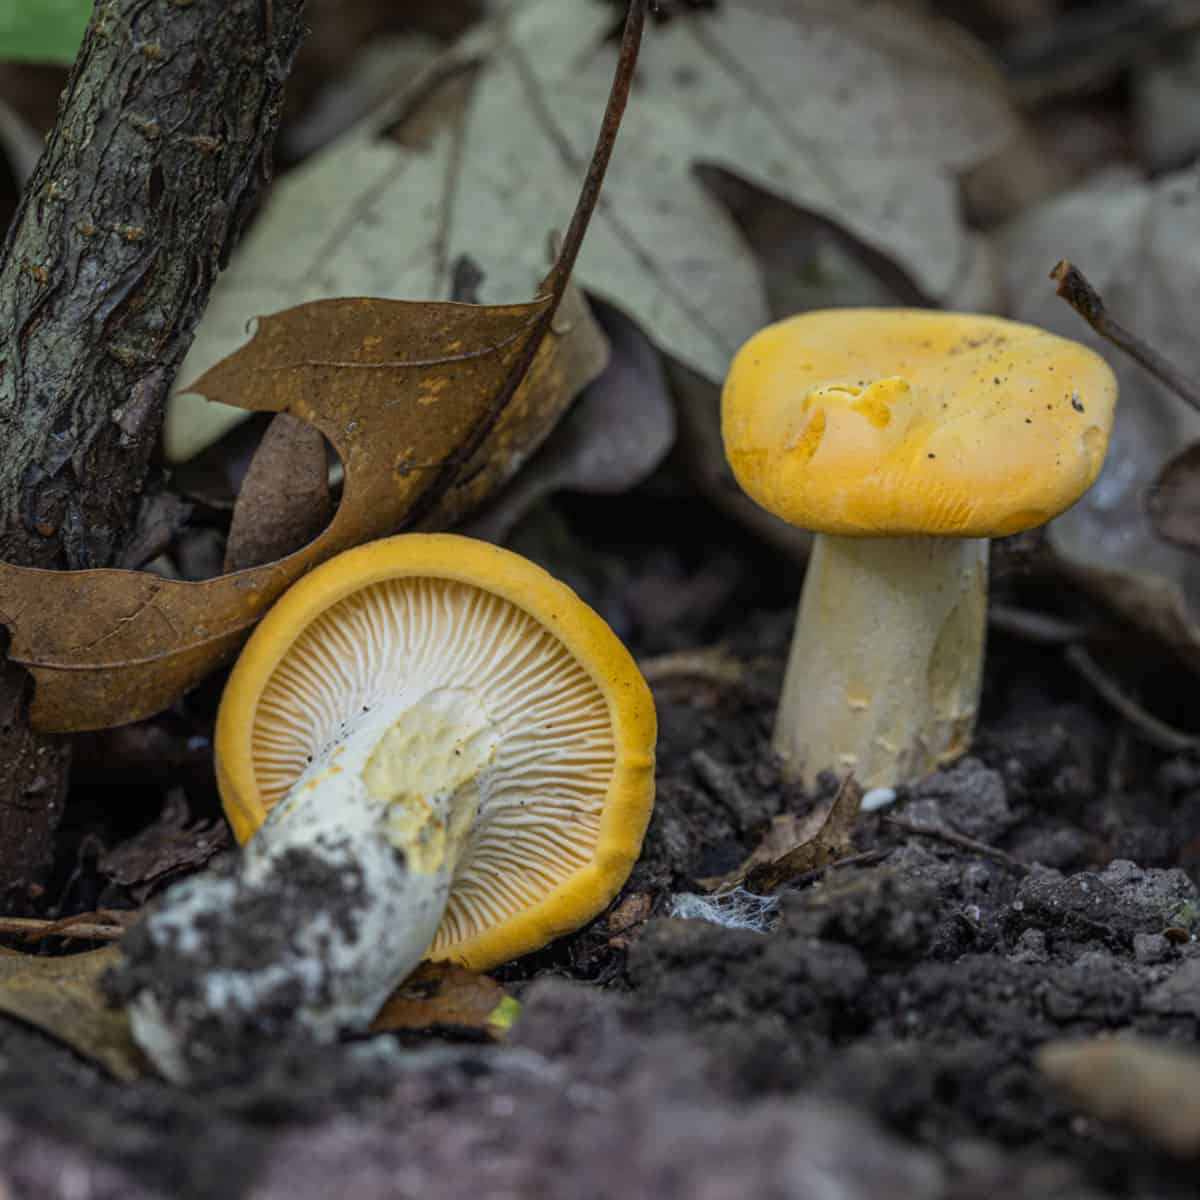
(905, 439)
(431, 749)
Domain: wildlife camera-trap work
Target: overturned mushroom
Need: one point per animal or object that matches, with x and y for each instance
(431, 749)
(905, 439)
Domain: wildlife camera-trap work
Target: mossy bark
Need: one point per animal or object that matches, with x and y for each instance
(162, 142)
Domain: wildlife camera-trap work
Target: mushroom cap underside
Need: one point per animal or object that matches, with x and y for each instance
(567, 796)
(894, 422)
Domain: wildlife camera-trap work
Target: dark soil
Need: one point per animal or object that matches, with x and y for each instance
(876, 1043)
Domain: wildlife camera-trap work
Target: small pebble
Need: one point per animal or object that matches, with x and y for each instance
(1030, 948)
(877, 798)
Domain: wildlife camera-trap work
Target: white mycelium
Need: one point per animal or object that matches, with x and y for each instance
(435, 761)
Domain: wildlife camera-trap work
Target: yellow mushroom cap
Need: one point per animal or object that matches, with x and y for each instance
(894, 422)
(569, 791)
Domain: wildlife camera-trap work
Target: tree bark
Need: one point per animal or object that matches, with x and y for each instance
(162, 142)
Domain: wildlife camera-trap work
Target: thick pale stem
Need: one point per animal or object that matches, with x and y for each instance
(884, 672)
(335, 900)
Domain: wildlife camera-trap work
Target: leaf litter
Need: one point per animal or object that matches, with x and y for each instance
(611, 439)
(1173, 500)
(826, 846)
(793, 846)
(428, 405)
(859, 113)
(284, 501)
(171, 844)
(61, 996)
(1137, 243)
(919, 1063)
(447, 998)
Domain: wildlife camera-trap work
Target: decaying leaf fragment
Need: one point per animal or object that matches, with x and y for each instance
(61, 997)
(1173, 500)
(171, 845)
(767, 870)
(616, 433)
(284, 500)
(106, 647)
(1137, 244)
(445, 997)
(860, 112)
(413, 398)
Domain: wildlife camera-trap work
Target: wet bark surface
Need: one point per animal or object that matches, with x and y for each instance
(162, 143)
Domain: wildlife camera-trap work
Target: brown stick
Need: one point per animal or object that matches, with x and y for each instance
(1074, 288)
(960, 840)
(162, 142)
(555, 282)
(93, 927)
(1147, 726)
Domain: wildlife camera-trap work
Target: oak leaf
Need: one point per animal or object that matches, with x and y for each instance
(864, 114)
(419, 400)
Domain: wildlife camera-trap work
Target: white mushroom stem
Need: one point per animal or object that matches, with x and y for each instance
(334, 901)
(884, 672)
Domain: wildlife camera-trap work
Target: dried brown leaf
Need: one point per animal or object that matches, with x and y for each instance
(61, 997)
(616, 433)
(106, 647)
(632, 911)
(446, 997)
(827, 845)
(423, 402)
(284, 501)
(214, 477)
(171, 844)
(1173, 501)
(459, 164)
(573, 355)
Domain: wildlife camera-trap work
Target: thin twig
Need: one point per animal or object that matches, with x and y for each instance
(1040, 628)
(82, 925)
(1074, 288)
(1147, 726)
(711, 664)
(555, 282)
(957, 839)
(866, 858)
(618, 96)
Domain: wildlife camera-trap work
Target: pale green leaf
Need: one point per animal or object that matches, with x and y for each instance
(46, 31)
